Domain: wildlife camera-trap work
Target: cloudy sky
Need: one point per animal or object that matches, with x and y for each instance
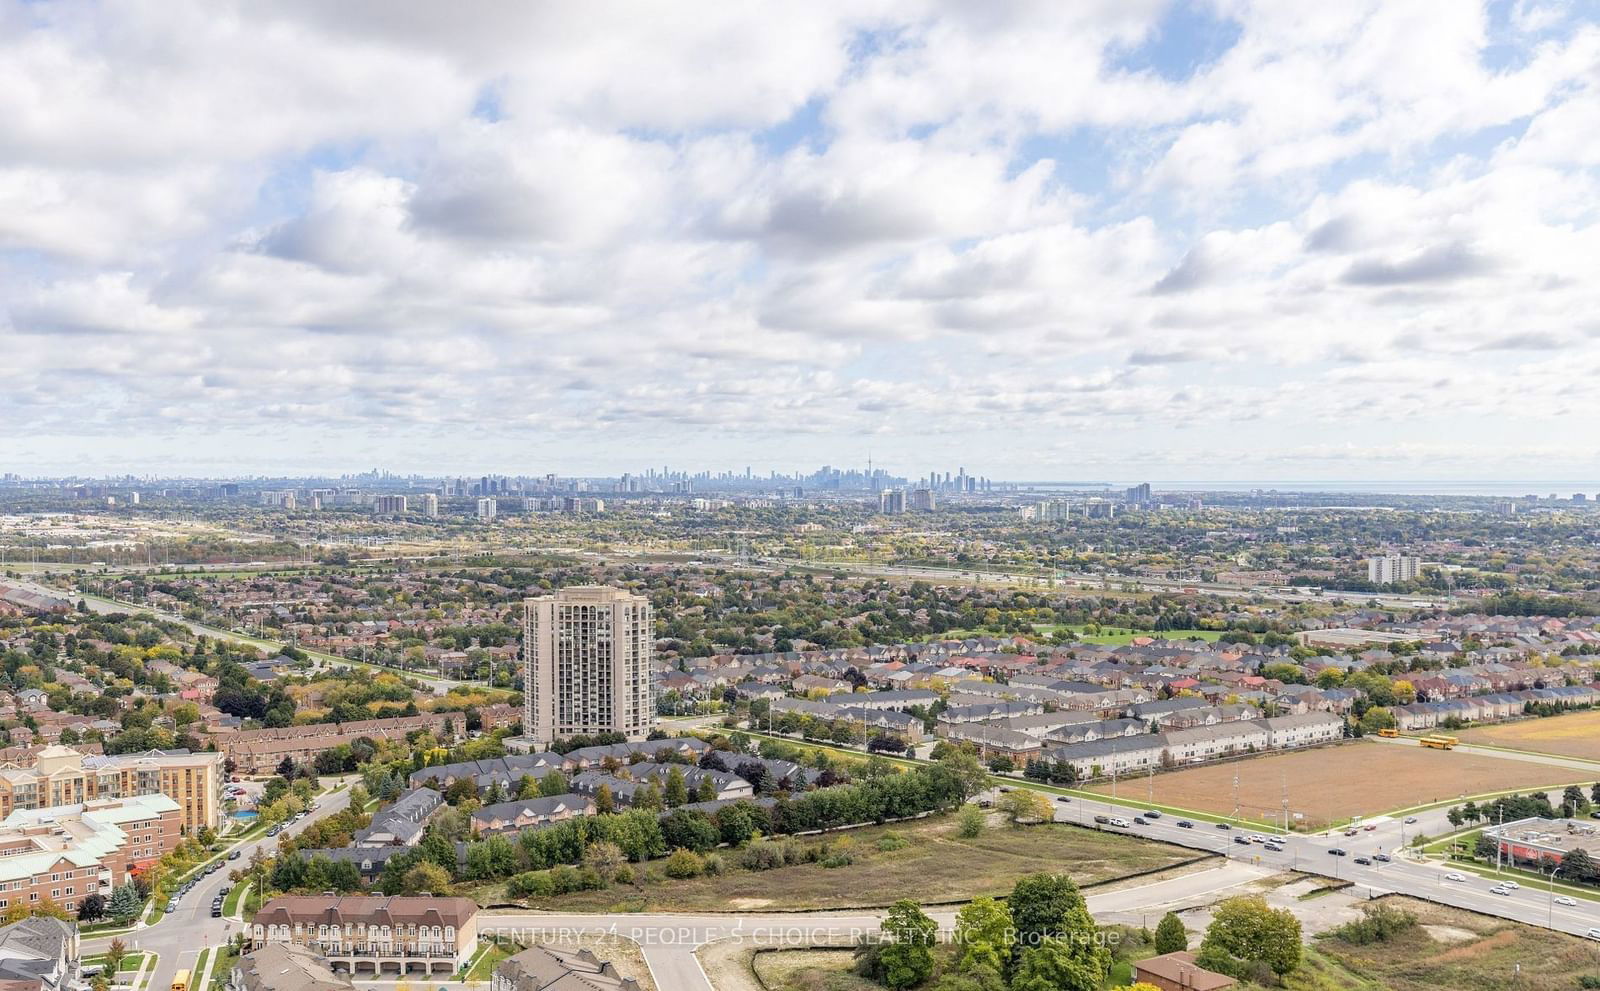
(1105, 238)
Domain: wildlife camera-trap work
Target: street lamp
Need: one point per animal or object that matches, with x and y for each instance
(1550, 917)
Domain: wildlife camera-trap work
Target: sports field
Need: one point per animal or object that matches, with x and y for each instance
(1573, 734)
(1332, 784)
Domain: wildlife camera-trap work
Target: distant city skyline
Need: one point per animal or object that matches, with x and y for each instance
(1136, 240)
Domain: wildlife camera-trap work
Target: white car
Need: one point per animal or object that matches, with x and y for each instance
(1592, 934)
(1498, 890)
(1510, 885)
(1565, 900)
(1121, 822)
(1410, 820)
(1455, 877)
(1257, 838)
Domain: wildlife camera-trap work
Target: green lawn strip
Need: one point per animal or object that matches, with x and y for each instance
(1447, 803)
(481, 966)
(222, 968)
(230, 904)
(199, 966)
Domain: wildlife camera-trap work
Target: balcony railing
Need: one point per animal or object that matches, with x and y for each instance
(348, 950)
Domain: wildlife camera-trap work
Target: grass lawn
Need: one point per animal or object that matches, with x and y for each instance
(481, 968)
(230, 904)
(1450, 949)
(809, 970)
(936, 865)
(1121, 636)
(224, 959)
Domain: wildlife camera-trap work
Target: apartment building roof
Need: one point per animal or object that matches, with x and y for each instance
(371, 910)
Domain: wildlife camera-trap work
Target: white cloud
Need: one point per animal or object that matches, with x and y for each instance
(379, 230)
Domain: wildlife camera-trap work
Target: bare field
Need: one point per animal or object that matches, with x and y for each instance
(1573, 734)
(1332, 784)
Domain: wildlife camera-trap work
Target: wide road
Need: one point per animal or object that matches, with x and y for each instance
(1386, 835)
(101, 604)
(179, 936)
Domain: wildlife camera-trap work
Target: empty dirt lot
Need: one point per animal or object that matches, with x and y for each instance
(1575, 734)
(1334, 783)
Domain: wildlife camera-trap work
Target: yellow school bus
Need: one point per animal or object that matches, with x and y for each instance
(1439, 742)
(180, 981)
(1389, 732)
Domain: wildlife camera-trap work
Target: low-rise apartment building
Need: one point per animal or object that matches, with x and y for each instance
(61, 776)
(260, 751)
(67, 853)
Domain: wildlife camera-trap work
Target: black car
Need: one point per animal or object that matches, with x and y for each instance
(1364, 861)
(1062, 798)
(233, 854)
(1223, 825)
(1242, 841)
(1336, 852)
(1185, 824)
(1141, 821)
(1153, 814)
(1102, 820)
(216, 911)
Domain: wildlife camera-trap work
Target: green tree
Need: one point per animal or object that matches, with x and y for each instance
(983, 934)
(676, 791)
(972, 775)
(604, 802)
(908, 960)
(427, 879)
(969, 822)
(1061, 964)
(1245, 930)
(554, 783)
(1022, 806)
(1170, 934)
